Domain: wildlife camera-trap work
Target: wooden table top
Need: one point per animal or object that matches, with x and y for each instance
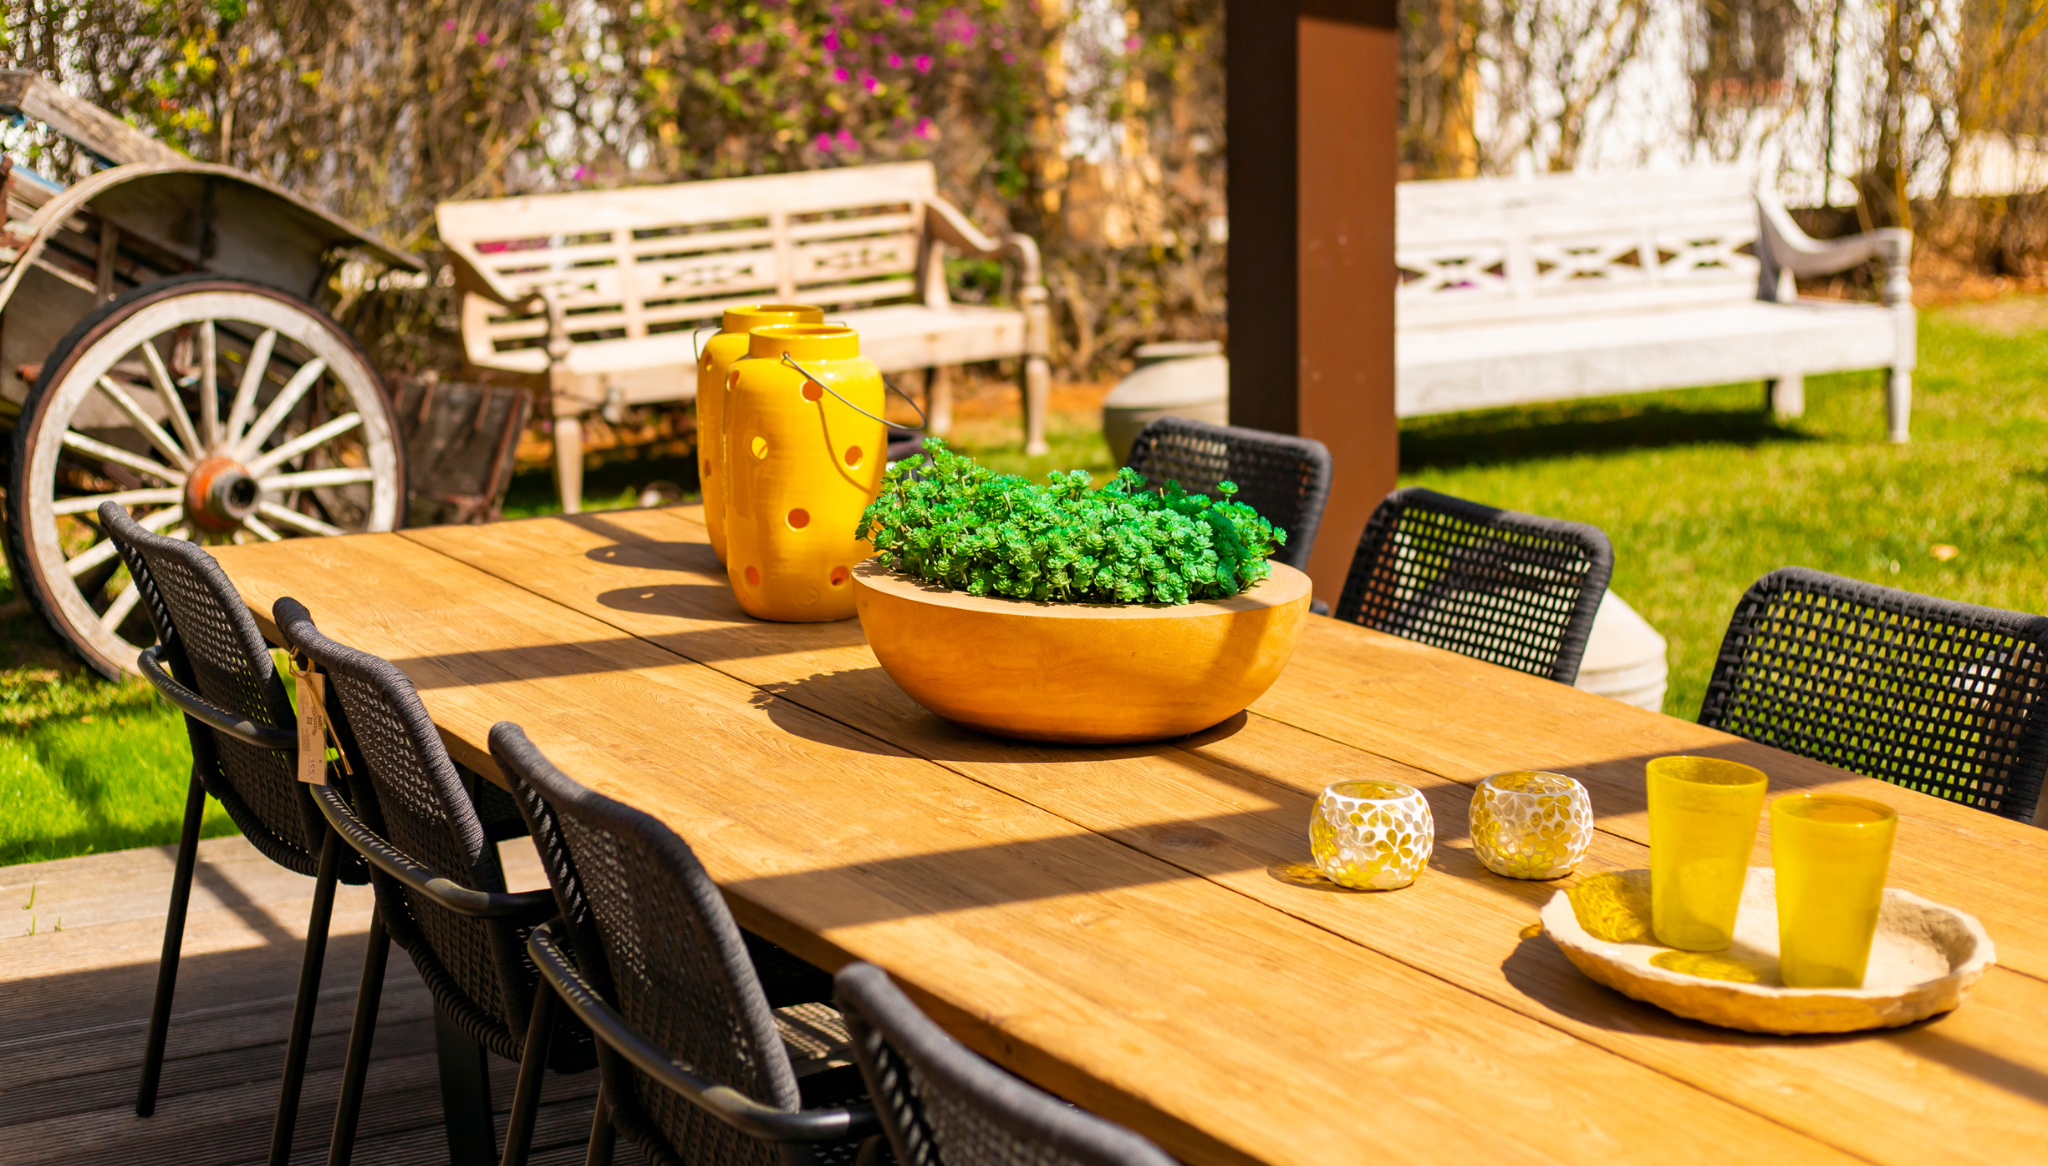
(1129, 926)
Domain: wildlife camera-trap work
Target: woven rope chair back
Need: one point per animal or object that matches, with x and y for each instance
(1286, 479)
(406, 790)
(211, 645)
(1937, 696)
(653, 935)
(1514, 589)
(945, 1106)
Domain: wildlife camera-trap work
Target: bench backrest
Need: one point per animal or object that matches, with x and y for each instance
(643, 260)
(1490, 250)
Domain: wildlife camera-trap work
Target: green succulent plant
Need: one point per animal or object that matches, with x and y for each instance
(944, 519)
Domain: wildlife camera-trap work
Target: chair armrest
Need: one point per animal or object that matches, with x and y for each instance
(212, 716)
(723, 1102)
(1786, 251)
(945, 224)
(523, 906)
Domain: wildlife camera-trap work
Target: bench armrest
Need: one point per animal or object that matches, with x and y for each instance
(945, 224)
(1786, 251)
(471, 275)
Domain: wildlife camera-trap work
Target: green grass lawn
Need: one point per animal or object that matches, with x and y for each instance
(1700, 492)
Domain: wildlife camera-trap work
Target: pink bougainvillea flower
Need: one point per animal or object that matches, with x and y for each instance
(498, 61)
(831, 42)
(895, 60)
(482, 37)
(721, 32)
(844, 140)
(923, 62)
(824, 142)
(579, 174)
(925, 129)
(840, 74)
(868, 82)
(1133, 44)
(1009, 58)
(447, 26)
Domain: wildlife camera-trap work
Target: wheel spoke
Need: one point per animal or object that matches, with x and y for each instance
(252, 380)
(121, 457)
(294, 519)
(174, 405)
(209, 387)
(150, 429)
(91, 502)
(260, 529)
(308, 479)
(280, 406)
(119, 609)
(272, 458)
(103, 550)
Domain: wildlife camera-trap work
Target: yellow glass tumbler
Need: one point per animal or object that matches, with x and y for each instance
(714, 362)
(806, 445)
(1703, 818)
(1831, 853)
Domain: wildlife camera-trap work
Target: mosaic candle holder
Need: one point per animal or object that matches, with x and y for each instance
(1371, 835)
(1530, 825)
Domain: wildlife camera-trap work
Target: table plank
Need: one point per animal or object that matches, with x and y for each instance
(1224, 1029)
(1232, 805)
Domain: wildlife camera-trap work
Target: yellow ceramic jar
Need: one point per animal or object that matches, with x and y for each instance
(714, 362)
(805, 452)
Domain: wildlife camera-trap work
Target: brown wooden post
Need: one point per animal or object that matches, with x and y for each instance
(1311, 124)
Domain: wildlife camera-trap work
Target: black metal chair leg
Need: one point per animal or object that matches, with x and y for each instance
(174, 942)
(357, 1067)
(533, 1062)
(282, 1128)
(465, 1093)
(602, 1136)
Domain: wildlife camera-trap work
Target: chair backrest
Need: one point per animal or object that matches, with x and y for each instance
(1510, 588)
(1285, 478)
(943, 1105)
(644, 260)
(407, 790)
(212, 646)
(652, 934)
(1937, 696)
(1485, 250)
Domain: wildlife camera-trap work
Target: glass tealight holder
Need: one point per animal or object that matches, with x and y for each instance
(1371, 835)
(1531, 825)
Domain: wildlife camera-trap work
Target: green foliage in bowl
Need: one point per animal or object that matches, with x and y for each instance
(943, 519)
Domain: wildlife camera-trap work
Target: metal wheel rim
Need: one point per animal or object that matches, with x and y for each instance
(245, 430)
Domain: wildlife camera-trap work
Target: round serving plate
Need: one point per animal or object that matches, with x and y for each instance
(1923, 961)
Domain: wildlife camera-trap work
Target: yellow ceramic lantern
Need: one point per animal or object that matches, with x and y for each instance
(714, 362)
(805, 448)
(1530, 825)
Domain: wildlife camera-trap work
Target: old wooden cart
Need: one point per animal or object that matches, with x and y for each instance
(162, 347)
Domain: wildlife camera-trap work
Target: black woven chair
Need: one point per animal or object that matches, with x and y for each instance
(696, 1064)
(1286, 479)
(440, 896)
(1510, 588)
(211, 662)
(944, 1106)
(1937, 696)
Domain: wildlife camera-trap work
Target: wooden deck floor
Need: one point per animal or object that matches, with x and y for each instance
(78, 966)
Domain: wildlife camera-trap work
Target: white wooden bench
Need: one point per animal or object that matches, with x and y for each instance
(1542, 289)
(595, 296)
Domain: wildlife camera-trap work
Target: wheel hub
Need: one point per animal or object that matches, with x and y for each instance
(219, 494)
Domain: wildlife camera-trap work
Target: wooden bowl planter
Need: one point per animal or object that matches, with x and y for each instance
(1079, 672)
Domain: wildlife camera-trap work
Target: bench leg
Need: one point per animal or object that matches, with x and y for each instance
(1037, 398)
(938, 400)
(1788, 397)
(569, 462)
(1898, 399)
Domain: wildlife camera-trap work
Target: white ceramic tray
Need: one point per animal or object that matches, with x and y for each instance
(1925, 957)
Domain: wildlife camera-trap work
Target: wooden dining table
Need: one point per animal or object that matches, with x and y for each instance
(1137, 928)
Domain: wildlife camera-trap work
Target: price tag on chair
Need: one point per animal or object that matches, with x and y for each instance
(311, 694)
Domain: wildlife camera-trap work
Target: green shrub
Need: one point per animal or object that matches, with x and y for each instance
(949, 521)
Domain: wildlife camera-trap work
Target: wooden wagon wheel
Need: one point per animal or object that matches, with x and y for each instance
(213, 409)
